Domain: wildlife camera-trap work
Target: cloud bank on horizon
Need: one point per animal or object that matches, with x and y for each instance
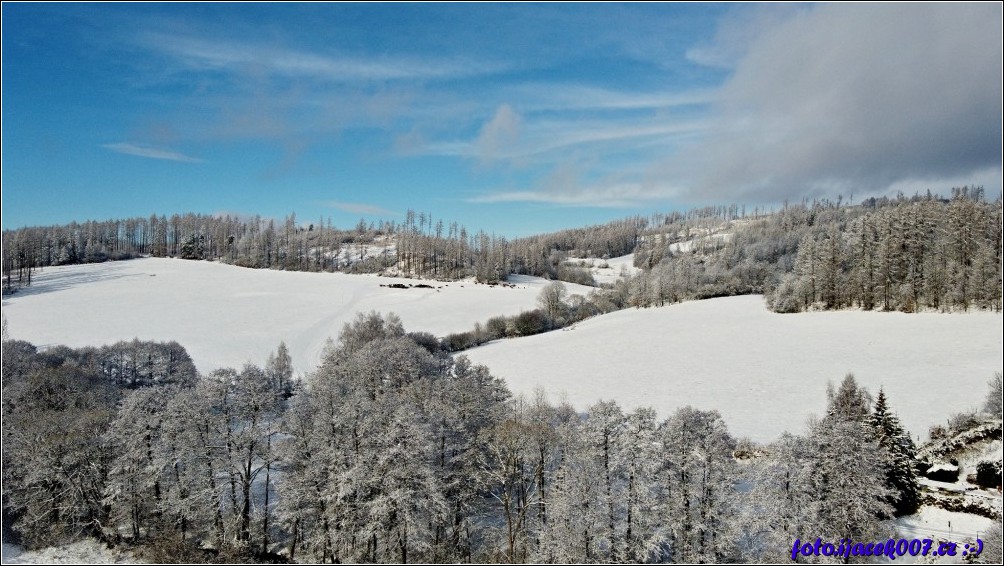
(487, 113)
(846, 98)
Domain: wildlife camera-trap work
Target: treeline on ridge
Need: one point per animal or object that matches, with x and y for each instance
(417, 247)
(907, 254)
(904, 254)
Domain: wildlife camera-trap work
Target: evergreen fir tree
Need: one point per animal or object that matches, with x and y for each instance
(901, 473)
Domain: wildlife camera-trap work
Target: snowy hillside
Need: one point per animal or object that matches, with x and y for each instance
(765, 372)
(606, 270)
(225, 315)
(729, 354)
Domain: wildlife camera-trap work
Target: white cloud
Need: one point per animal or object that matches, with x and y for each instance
(359, 208)
(618, 195)
(548, 140)
(539, 97)
(854, 98)
(201, 54)
(569, 184)
(500, 134)
(140, 150)
(737, 30)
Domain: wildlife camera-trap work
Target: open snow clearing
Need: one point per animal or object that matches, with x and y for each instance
(227, 316)
(765, 372)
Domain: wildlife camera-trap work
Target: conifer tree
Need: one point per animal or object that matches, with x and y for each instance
(901, 473)
(845, 467)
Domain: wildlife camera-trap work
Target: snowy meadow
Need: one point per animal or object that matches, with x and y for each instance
(226, 316)
(765, 372)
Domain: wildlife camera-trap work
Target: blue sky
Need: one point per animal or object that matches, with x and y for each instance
(514, 118)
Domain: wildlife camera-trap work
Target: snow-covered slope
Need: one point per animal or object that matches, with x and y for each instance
(226, 316)
(765, 372)
(606, 270)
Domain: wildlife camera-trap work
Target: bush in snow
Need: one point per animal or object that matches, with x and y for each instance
(988, 474)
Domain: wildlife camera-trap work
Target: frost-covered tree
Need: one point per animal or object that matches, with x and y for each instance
(992, 405)
(847, 476)
(637, 460)
(551, 300)
(384, 450)
(780, 504)
(508, 472)
(55, 462)
(225, 431)
(280, 370)
(575, 509)
(993, 546)
(698, 484)
(405, 499)
(900, 457)
(460, 407)
(846, 468)
(848, 402)
(365, 329)
(134, 491)
(317, 450)
(602, 430)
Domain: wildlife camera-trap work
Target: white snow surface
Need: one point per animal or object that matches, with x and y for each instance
(87, 551)
(606, 270)
(937, 523)
(700, 242)
(766, 373)
(226, 316)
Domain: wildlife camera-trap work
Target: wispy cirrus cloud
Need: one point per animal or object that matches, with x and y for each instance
(600, 195)
(574, 184)
(546, 137)
(359, 208)
(140, 150)
(576, 97)
(294, 96)
(208, 54)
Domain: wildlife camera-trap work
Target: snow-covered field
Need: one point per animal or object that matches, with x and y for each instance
(765, 372)
(226, 316)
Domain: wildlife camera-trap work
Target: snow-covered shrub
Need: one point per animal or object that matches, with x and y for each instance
(961, 504)
(960, 422)
(784, 299)
(528, 323)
